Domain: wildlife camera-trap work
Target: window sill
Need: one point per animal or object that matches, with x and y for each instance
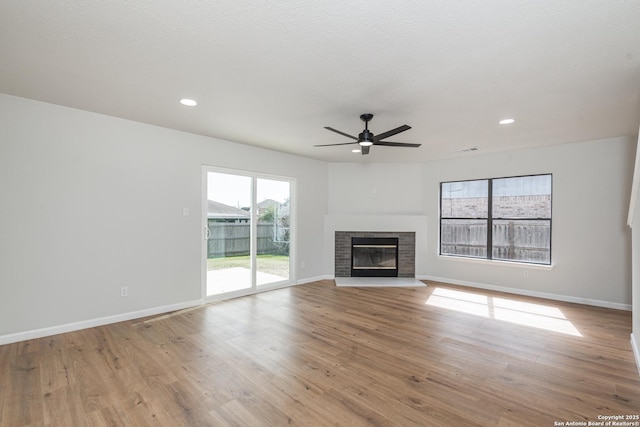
(513, 264)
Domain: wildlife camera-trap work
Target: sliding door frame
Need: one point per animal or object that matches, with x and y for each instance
(254, 288)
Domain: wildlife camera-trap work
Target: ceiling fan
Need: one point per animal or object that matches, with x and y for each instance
(366, 138)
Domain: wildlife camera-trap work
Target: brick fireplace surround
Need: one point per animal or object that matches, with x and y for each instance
(406, 251)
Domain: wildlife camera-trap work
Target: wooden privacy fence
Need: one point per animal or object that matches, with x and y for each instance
(512, 240)
(230, 239)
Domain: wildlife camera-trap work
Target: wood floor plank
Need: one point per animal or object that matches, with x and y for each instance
(55, 367)
(107, 416)
(21, 394)
(63, 407)
(320, 355)
(235, 414)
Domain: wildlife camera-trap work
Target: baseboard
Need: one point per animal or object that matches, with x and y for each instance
(314, 279)
(545, 295)
(636, 351)
(76, 326)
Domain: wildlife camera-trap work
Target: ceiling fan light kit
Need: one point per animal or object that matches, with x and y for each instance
(366, 138)
(365, 142)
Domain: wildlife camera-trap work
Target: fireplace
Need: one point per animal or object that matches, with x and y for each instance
(374, 257)
(404, 257)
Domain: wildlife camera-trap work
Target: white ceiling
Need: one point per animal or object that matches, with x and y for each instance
(274, 73)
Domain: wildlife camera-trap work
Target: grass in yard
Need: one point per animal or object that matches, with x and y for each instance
(272, 264)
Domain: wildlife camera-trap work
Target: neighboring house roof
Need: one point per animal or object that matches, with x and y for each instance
(281, 208)
(217, 210)
(266, 203)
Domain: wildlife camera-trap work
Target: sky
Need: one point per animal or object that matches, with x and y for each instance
(235, 190)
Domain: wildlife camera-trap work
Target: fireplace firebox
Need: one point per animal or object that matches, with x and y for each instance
(374, 257)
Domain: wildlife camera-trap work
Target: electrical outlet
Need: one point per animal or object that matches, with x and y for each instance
(525, 274)
(124, 291)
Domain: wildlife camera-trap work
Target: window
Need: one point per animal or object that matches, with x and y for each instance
(507, 219)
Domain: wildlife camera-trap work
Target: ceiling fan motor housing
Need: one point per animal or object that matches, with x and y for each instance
(365, 136)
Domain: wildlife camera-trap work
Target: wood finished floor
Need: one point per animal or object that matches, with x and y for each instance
(316, 355)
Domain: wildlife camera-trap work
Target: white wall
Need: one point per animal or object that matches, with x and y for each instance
(375, 188)
(635, 274)
(91, 203)
(591, 244)
(633, 221)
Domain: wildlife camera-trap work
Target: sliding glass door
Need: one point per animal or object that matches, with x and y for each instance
(228, 233)
(273, 231)
(247, 232)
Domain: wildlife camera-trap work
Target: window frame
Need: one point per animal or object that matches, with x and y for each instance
(490, 221)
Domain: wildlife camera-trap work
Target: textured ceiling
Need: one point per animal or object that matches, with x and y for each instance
(274, 73)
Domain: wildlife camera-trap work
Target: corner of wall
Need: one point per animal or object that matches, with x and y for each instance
(636, 351)
(634, 187)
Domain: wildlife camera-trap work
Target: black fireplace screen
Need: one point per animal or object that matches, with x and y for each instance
(374, 256)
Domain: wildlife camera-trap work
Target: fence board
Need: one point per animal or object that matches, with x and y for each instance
(512, 240)
(232, 239)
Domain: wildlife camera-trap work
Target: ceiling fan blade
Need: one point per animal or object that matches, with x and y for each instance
(391, 132)
(365, 149)
(329, 145)
(396, 144)
(341, 133)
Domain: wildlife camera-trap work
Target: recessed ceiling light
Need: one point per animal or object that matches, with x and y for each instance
(188, 102)
(506, 121)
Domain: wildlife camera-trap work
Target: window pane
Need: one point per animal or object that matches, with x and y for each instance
(229, 241)
(522, 197)
(521, 240)
(464, 199)
(465, 237)
(273, 212)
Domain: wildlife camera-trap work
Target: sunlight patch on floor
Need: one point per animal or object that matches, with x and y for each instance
(522, 313)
